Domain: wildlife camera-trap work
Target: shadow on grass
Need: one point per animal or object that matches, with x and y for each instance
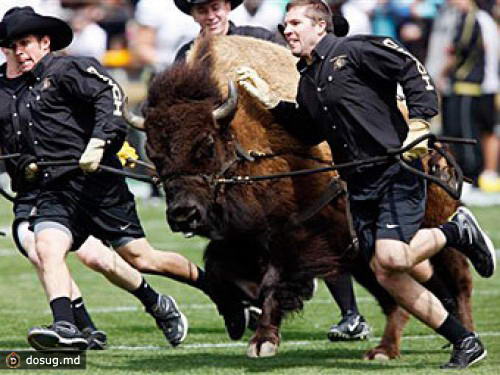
(6, 344)
(321, 359)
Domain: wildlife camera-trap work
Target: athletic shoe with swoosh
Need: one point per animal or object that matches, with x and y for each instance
(467, 352)
(474, 243)
(351, 327)
(97, 340)
(61, 335)
(170, 319)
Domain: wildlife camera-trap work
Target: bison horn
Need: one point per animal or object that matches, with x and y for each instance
(224, 113)
(131, 118)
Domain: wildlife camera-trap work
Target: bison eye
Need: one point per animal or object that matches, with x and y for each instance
(204, 149)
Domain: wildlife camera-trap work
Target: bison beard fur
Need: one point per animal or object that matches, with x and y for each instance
(255, 254)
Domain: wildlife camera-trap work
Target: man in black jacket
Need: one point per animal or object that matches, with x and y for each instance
(347, 96)
(213, 18)
(64, 108)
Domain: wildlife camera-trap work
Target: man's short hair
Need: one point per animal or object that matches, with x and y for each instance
(318, 10)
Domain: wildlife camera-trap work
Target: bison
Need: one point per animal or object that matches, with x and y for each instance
(199, 136)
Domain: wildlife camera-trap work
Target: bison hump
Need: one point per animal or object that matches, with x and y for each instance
(274, 63)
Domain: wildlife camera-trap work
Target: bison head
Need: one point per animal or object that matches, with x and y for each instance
(189, 142)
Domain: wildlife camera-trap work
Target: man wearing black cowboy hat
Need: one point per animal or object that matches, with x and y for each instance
(347, 95)
(64, 108)
(93, 253)
(213, 18)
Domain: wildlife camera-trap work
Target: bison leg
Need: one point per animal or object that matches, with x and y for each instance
(265, 341)
(391, 340)
(396, 317)
(454, 268)
(232, 283)
(459, 267)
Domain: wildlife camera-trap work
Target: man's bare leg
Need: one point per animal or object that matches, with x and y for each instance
(145, 258)
(97, 339)
(100, 258)
(393, 260)
(52, 245)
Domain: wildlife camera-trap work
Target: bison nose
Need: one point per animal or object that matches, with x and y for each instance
(184, 217)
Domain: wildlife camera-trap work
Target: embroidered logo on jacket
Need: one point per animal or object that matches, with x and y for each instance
(46, 83)
(338, 62)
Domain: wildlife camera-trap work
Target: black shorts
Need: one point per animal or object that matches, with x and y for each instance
(109, 215)
(24, 210)
(486, 113)
(395, 213)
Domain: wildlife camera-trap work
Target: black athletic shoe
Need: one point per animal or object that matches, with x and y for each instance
(469, 351)
(236, 319)
(239, 317)
(97, 339)
(58, 336)
(474, 243)
(351, 327)
(170, 319)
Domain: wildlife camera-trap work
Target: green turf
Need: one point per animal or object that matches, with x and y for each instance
(138, 347)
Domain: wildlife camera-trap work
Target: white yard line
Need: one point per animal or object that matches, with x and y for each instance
(211, 306)
(284, 343)
(202, 306)
(244, 344)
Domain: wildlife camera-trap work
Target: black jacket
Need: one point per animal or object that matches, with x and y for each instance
(347, 96)
(256, 32)
(51, 112)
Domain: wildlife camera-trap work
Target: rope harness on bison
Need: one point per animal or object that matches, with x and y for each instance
(219, 179)
(392, 155)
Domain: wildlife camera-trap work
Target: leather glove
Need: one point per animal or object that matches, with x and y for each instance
(30, 171)
(127, 152)
(417, 128)
(91, 157)
(250, 80)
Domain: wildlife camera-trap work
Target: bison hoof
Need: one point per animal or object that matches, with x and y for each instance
(267, 349)
(380, 354)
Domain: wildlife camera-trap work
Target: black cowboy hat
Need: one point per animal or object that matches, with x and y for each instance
(21, 21)
(186, 5)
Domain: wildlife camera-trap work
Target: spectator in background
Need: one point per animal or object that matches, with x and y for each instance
(415, 21)
(263, 13)
(441, 37)
(161, 30)
(487, 5)
(113, 18)
(489, 180)
(357, 13)
(383, 19)
(89, 38)
(464, 70)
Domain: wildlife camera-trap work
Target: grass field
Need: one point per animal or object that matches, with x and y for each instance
(136, 346)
